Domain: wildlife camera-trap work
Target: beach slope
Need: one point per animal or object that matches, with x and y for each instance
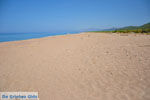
(86, 66)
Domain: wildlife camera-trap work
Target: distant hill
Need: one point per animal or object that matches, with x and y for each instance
(145, 26)
(111, 29)
(128, 28)
(135, 29)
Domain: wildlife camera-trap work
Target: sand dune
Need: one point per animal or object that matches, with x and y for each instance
(86, 66)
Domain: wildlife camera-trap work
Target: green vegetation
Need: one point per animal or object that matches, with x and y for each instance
(135, 29)
(132, 29)
(139, 30)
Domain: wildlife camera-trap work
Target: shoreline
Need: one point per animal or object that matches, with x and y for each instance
(28, 36)
(75, 33)
(40, 37)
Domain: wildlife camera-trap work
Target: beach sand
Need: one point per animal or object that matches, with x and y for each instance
(86, 66)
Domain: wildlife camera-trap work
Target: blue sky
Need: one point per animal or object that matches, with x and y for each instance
(26, 16)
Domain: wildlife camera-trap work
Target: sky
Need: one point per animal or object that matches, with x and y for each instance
(24, 16)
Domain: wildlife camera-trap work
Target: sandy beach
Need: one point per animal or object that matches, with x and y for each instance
(86, 66)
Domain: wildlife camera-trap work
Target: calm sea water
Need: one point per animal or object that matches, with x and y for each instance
(4, 37)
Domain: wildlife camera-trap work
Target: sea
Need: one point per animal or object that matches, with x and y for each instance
(5, 37)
